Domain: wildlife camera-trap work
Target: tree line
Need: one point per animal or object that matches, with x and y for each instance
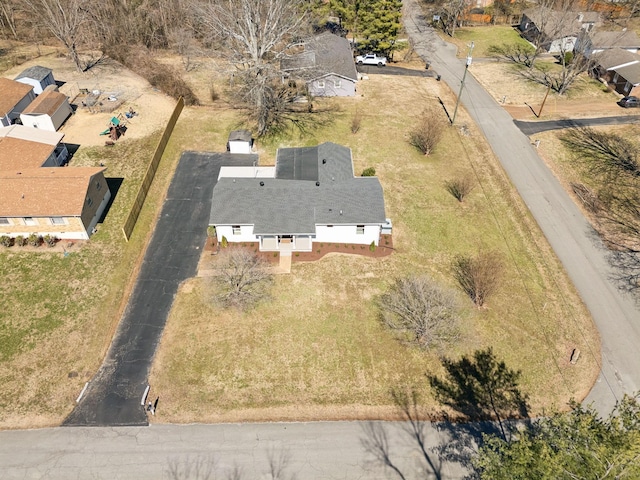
(252, 35)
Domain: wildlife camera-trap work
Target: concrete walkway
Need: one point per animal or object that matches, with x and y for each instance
(570, 235)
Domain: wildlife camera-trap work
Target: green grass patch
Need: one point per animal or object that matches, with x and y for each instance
(483, 38)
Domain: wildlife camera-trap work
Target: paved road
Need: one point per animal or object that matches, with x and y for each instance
(573, 240)
(531, 128)
(114, 394)
(323, 450)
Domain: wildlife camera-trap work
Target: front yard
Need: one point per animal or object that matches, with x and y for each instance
(317, 350)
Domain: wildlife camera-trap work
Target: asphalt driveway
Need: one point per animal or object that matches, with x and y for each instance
(531, 128)
(391, 70)
(114, 394)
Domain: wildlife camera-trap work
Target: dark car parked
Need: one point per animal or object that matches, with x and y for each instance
(628, 102)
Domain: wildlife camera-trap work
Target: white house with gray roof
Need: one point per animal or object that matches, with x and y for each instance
(311, 195)
(327, 66)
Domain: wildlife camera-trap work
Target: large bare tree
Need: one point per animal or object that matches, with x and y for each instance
(64, 19)
(254, 35)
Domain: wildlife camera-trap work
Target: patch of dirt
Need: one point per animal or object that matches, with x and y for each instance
(108, 79)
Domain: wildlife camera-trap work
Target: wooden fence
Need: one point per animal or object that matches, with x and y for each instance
(150, 174)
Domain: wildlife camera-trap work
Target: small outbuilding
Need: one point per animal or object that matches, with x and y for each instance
(240, 141)
(14, 98)
(38, 77)
(48, 111)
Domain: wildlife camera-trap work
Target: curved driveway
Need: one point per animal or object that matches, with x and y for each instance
(570, 235)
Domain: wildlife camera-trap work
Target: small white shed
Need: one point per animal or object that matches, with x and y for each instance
(48, 111)
(38, 77)
(240, 141)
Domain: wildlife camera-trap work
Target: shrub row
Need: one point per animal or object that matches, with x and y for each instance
(33, 240)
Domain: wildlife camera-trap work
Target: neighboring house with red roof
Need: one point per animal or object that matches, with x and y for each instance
(62, 202)
(26, 147)
(39, 197)
(14, 98)
(48, 111)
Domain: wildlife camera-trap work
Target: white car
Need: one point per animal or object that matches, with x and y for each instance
(371, 59)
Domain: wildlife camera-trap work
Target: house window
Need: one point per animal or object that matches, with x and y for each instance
(57, 221)
(236, 230)
(29, 221)
(320, 83)
(4, 221)
(89, 202)
(627, 87)
(615, 78)
(360, 230)
(98, 186)
(337, 83)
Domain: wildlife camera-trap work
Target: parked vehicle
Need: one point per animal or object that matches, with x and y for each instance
(629, 102)
(371, 59)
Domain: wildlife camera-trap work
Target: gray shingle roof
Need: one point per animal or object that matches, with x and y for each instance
(36, 72)
(622, 39)
(294, 206)
(324, 54)
(630, 73)
(557, 24)
(240, 135)
(615, 56)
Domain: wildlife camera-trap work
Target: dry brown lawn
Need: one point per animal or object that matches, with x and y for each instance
(318, 351)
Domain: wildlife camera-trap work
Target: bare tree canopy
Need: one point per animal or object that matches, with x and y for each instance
(254, 35)
(63, 19)
(478, 276)
(423, 309)
(243, 279)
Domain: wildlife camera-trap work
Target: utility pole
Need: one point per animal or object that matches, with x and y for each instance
(464, 76)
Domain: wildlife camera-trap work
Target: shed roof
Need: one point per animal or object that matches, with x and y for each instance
(47, 103)
(615, 57)
(42, 192)
(240, 136)
(304, 193)
(17, 154)
(11, 93)
(36, 72)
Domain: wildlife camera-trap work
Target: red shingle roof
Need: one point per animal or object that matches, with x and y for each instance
(42, 192)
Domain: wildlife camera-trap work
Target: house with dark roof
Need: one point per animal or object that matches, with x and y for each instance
(618, 68)
(310, 196)
(594, 42)
(14, 98)
(327, 66)
(38, 77)
(555, 31)
(47, 112)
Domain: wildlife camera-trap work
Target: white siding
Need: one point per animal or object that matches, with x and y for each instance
(332, 86)
(42, 121)
(347, 234)
(237, 146)
(96, 217)
(246, 233)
